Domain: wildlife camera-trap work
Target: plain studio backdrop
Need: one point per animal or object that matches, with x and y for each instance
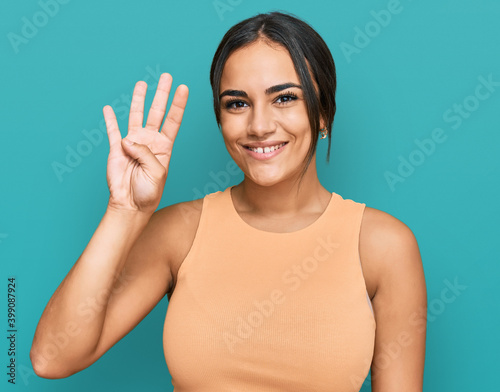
(416, 135)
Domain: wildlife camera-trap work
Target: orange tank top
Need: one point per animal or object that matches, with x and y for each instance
(261, 311)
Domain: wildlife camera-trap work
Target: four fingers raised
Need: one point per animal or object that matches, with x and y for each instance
(156, 113)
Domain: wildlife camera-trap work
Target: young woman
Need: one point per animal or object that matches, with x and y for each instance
(274, 284)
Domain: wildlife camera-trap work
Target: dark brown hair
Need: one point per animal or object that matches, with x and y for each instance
(309, 53)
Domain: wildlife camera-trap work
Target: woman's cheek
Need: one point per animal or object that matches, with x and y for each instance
(233, 127)
(230, 136)
(295, 116)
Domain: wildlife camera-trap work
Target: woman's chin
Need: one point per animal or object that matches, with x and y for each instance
(266, 180)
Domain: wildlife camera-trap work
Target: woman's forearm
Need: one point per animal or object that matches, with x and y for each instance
(71, 324)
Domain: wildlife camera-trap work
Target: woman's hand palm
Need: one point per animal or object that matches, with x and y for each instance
(136, 174)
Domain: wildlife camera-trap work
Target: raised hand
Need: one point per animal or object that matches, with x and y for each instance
(138, 164)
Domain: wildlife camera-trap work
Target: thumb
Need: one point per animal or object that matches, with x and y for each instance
(143, 155)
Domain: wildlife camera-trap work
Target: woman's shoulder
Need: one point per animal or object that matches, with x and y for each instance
(180, 221)
(186, 213)
(381, 231)
(387, 247)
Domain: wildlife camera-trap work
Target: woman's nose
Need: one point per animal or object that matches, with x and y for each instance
(261, 122)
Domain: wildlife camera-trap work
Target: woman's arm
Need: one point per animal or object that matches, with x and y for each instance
(125, 269)
(68, 336)
(390, 256)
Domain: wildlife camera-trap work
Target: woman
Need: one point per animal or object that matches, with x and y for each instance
(275, 283)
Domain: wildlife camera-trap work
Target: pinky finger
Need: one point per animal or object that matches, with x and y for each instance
(114, 134)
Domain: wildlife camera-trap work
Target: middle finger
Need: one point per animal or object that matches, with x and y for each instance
(159, 105)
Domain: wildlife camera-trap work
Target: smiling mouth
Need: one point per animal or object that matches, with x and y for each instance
(264, 150)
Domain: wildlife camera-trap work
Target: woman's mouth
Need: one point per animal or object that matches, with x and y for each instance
(266, 152)
(261, 150)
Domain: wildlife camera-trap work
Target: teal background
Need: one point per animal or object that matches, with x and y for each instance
(394, 90)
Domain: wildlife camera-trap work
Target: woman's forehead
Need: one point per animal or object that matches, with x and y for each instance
(259, 64)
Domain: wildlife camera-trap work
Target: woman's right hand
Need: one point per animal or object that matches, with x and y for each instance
(137, 172)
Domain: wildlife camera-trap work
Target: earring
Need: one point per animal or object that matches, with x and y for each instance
(323, 132)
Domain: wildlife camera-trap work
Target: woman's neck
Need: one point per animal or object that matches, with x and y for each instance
(285, 199)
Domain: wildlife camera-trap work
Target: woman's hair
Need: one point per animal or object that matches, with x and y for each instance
(309, 53)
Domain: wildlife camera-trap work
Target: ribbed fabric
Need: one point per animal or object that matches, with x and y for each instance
(260, 311)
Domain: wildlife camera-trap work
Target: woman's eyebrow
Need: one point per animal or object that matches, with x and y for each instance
(280, 87)
(233, 93)
(270, 90)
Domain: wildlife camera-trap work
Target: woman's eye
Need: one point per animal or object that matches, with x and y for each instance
(286, 98)
(235, 104)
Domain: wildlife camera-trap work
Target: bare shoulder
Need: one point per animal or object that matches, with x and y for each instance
(178, 224)
(387, 248)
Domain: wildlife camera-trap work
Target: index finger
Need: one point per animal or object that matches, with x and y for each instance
(136, 115)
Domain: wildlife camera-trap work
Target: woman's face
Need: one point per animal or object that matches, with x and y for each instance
(264, 118)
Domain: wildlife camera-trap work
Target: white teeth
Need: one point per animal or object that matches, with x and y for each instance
(264, 150)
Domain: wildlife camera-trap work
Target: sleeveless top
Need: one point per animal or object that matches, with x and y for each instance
(260, 311)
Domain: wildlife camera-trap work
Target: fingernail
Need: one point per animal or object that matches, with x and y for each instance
(128, 142)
